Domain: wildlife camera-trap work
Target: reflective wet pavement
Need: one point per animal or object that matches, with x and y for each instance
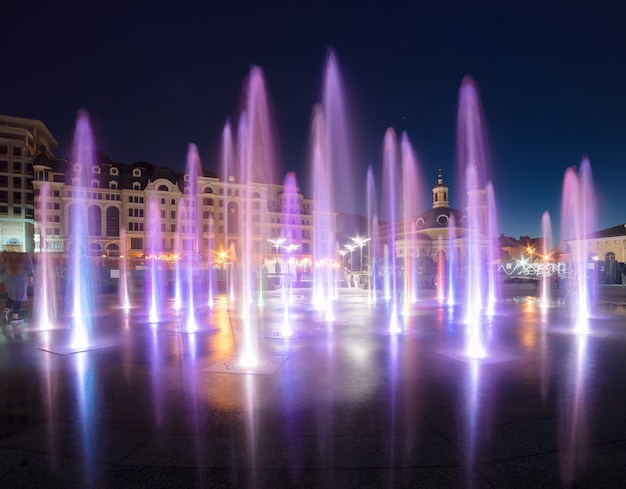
(351, 406)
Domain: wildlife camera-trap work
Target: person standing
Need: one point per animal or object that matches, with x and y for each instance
(16, 272)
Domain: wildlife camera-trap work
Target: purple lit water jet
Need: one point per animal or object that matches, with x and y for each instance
(577, 223)
(391, 180)
(45, 297)
(472, 169)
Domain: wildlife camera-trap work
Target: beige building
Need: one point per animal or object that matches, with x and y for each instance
(154, 205)
(608, 247)
(20, 139)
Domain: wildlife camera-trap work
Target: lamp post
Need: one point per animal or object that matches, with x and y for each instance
(360, 242)
(351, 248)
(289, 249)
(343, 253)
(276, 243)
(530, 251)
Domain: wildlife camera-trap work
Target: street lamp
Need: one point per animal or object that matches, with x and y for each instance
(530, 251)
(276, 243)
(350, 248)
(343, 253)
(289, 249)
(360, 242)
(221, 258)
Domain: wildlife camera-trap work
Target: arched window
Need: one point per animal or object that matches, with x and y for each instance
(163, 188)
(610, 256)
(94, 218)
(113, 250)
(113, 221)
(95, 249)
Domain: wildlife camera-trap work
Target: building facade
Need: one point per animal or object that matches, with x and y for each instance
(20, 139)
(444, 233)
(142, 211)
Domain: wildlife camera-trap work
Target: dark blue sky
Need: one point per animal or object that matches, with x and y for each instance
(155, 77)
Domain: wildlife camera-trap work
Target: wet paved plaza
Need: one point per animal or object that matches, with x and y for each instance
(344, 405)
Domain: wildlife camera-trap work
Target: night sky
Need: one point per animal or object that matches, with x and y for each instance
(155, 76)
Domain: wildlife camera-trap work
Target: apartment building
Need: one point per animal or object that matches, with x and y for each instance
(164, 214)
(20, 140)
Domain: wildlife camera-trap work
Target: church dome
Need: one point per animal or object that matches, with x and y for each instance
(440, 217)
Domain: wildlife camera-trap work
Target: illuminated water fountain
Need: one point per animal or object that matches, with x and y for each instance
(45, 305)
(473, 172)
(80, 291)
(577, 222)
(254, 165)
(391, 182)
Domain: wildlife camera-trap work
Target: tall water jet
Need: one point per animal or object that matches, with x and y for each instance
(332, 166)
(452, 262)
(256, 165)
(546, 278)
(410, 202)
(472, 166)
(190, 218)
(372, 232)
(391, 214)
(153, 283)
(492, 258)
(45, 297)
(211, 264)
(290, 220)
(324, 241)
(226, 255)
(577, 223)
(441, 271)
(81, 282)
(123, 280)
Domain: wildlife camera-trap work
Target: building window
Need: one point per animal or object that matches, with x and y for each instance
(94, 219)
(113, 221)
(17, 151)
(136, 243)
